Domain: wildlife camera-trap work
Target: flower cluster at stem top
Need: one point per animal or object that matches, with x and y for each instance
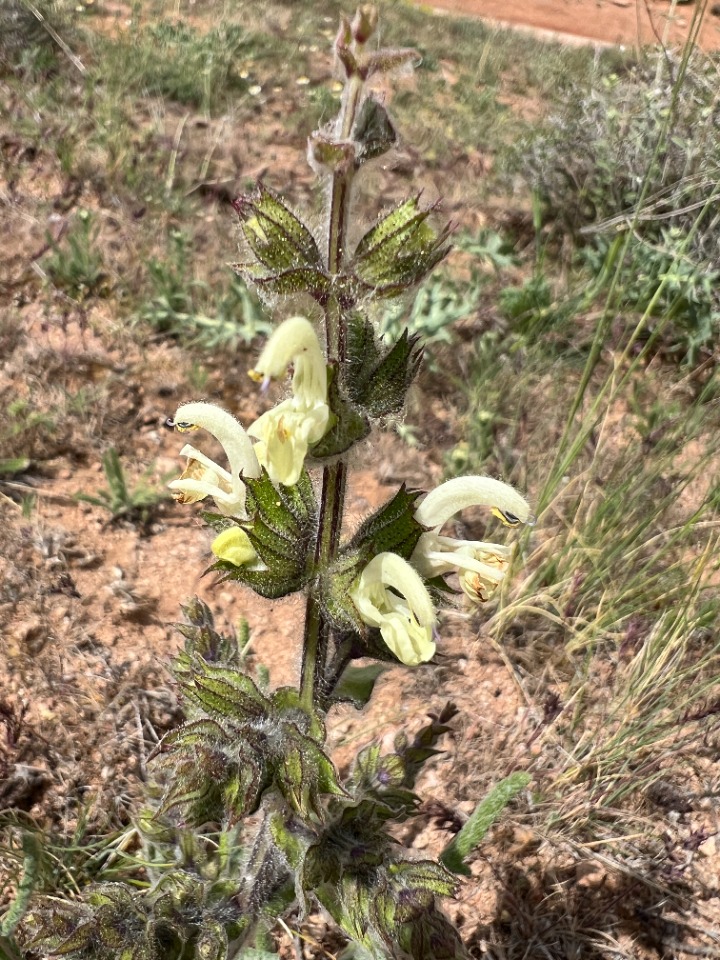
(390, 593)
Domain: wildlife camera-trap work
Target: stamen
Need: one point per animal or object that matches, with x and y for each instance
(509, 519)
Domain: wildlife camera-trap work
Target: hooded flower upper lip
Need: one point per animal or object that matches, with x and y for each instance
(290, 428)
(203, 477)
(390, 595)
(481, 566)
(455, 495)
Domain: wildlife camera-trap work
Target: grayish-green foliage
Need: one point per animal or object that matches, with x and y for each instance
(480, 821)
(637, 152)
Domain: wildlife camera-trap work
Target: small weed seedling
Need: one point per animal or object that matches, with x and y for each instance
(121, 501)
(76, 263)
(185, 309)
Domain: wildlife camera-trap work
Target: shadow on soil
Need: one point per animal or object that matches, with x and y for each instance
(554, 915)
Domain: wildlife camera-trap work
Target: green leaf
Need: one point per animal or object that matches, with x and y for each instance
(11, 465)
(268, 502)
(212, 944)
(280, 527)
(387, 227)
(274, 549)
(423, 745)
(203, 640)
(286, 703)
(199, 802)
(327, 776)
(376, 379)
(387, 388)
(222, 769)
(32, 853)
(9, 949)
(115, 476)
(228, 700)
(423, 875)
(297, 280)
(242, 791)
(356, 684)
(483, 817)
(300, 500)
(377, 783)
(303, 772)
(288, 841)
(429, 936)
(282, 522)
(367, 764)
(81, 938)
(230, 682)
(363, 353)
(266, 583)
(334, 594)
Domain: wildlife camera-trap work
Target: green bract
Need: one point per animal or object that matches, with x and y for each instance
(373, 132)
(280, 527)
(399, 251)
(115, 921)
(378, 378)
(237, 744)
(278, 239)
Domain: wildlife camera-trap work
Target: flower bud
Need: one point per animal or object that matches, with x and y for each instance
(342, 48)
(364, 22)
(234, 546)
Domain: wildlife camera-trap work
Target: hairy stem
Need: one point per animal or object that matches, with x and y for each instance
(267, 879)
(334, 476)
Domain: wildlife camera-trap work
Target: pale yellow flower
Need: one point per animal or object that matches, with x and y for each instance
(480, 566)
(203, 477)
(391, 596)
(287, 431)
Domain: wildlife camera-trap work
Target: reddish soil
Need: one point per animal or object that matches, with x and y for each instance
(604, 22)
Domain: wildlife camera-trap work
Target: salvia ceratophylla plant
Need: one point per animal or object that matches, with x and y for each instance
(216, 883)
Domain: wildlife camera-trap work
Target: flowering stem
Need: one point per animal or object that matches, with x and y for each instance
(332, 500)
(339, 197)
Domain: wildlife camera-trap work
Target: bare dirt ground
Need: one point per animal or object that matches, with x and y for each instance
(628, 23)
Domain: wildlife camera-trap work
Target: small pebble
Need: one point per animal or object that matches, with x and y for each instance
(709, 848)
